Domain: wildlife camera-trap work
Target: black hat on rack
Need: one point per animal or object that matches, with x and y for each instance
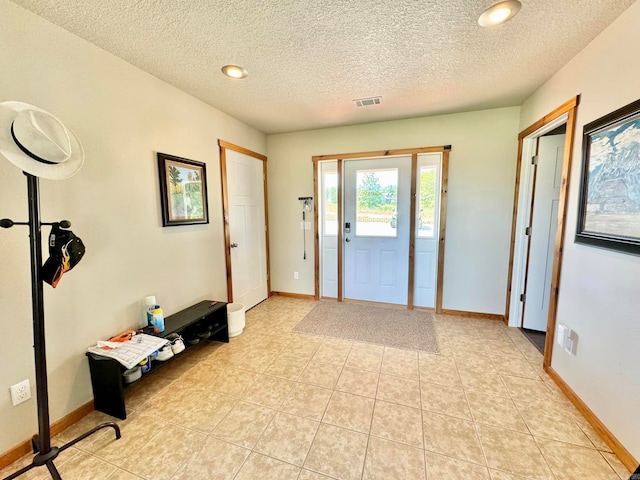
(65, 251)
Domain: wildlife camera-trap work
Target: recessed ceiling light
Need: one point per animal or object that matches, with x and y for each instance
(499, 13)
(234, 71)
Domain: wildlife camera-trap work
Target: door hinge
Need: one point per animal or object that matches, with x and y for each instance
(534, 160)
(523, 297)
(527, 231)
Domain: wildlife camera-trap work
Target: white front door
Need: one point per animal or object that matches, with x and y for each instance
(247, 228)
(376, 229)
(548, 179)
(428, 181)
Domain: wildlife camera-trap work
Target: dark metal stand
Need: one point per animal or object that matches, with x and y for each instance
(45, 453)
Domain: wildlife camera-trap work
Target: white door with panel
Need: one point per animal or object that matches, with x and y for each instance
(376, 229)
(543, 231)
(428, 181)
(247, 228)
(328, 218)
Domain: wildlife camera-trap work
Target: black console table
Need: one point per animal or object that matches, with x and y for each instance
(106, 373)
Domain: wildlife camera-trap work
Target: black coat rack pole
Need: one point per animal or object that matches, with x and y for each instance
(37, 300)
(45, 454)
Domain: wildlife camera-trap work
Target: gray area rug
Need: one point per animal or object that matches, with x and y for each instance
(408, 329)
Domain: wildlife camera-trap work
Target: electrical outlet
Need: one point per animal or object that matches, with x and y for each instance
(20, 392)
(296, 276)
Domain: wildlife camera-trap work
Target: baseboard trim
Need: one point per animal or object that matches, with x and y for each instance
(23, 448)
(374, 304)
(623, 454)
(425, 309)
(487, 316)
(301, 296)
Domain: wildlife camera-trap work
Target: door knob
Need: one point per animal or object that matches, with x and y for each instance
(347, 239)
(234, 245)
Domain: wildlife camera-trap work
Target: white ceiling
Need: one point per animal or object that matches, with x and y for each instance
(308, 59)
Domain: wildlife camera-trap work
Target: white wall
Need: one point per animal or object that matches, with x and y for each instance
(599, 288)
(123, 116)
(481, 185)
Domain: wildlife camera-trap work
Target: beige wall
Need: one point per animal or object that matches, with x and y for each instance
(481, 183)
(599, 288)
(122, 116)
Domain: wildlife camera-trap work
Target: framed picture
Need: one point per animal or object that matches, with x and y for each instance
(609, 210)
(183, 191)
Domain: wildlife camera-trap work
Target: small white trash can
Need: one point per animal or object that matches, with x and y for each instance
(235, 318)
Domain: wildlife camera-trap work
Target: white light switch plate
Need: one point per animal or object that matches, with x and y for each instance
(561, 337)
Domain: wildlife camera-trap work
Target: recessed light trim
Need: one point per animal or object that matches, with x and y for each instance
(234, 71)
(499, 13)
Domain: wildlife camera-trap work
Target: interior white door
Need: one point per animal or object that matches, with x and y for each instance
(376, 229)
(428, 181)
(247, 228)
(543, 231)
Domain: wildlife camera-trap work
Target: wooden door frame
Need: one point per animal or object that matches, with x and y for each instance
(413, 152)
(570, 109)
(224, 146)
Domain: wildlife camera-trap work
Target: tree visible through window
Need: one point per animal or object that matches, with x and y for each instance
(427, 196)
(376, 202)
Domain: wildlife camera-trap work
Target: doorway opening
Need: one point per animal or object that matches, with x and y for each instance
(380, 220)
(542, 173)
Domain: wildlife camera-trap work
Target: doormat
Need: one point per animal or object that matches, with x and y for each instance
(391, 327)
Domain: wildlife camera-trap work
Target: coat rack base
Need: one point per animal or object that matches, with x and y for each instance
(47, 459)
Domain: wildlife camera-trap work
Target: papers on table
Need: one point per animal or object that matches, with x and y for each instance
(131, 352)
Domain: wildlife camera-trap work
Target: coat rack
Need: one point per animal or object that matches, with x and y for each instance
(45, 454)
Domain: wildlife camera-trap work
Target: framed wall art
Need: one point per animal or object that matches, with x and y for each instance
(183, 191)
(609, 209)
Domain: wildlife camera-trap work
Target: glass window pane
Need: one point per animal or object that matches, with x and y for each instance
(330, 184)
(377, 201)
(427, 201)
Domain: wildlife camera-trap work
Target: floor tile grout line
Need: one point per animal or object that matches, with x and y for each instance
(422, 427)
(544, 457)
(366, 448)
(482, 447)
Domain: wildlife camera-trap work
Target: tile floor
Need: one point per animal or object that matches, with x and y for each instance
(274, 405)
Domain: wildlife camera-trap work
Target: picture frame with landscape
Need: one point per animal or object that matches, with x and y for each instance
(183, 191)
(609, 207)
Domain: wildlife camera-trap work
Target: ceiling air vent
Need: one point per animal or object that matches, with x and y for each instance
(365, 102)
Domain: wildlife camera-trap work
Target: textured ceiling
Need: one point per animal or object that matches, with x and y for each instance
(308, 59)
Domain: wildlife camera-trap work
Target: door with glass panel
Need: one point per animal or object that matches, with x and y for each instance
(328, 228)
(376, 229)
(428, 181)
